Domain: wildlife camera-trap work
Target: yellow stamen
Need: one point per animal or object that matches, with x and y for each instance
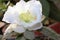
(27, 17)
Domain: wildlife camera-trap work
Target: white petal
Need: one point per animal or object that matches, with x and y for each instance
(8, 16)
(12, 13)
(36, 9)
(18, 28)
(21, 0)
(36, 26)
(20, 6)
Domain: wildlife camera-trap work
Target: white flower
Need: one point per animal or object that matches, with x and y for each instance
(24, 15)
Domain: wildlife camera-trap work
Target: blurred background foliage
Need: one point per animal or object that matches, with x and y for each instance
(54, 9)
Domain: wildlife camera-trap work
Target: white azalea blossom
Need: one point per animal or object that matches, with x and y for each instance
(24, 15)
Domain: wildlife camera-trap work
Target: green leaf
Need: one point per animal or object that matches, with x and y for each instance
(37, 38)
(2, 6)
(20, 38)
(45, 7)
(3, 1)
(49, 32)
(54, 10)
(29, 35)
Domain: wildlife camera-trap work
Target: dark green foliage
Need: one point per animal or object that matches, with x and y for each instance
(1, 15)
(54, 10)
(46, 7)
(51, 33)
(3, 8)
(3, 1)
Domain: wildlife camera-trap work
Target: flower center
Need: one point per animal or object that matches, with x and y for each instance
(26, 17)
